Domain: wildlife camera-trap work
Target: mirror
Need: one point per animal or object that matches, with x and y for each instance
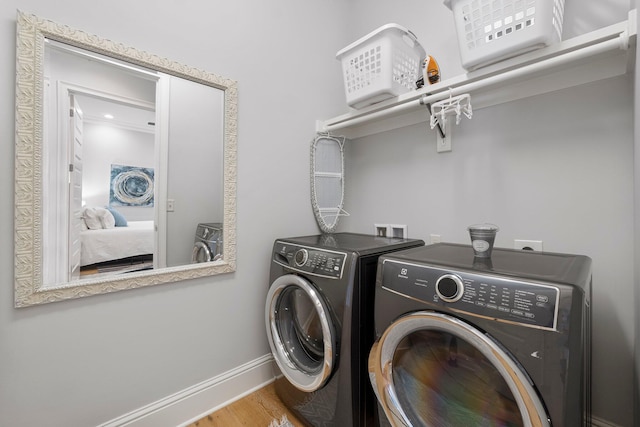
(166, 117)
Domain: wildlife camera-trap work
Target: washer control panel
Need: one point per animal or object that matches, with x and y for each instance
(492, 296)
(313, 261)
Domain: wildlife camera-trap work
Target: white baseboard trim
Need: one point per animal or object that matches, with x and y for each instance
(599, 422)
(199, 400)
(195, 402)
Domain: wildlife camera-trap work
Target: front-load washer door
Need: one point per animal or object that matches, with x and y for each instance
(431, 369)
(201, 253)
(300, 332)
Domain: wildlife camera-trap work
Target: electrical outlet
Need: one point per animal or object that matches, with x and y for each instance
(380, 229)
(528, 245)
(435, 238)
(390, 230)
(171, 205)
(395, 230)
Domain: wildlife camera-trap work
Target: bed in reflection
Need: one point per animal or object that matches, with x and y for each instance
(115, 245)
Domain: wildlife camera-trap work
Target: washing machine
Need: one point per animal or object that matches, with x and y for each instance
(319, 321)
(465, 341)
(207, 243)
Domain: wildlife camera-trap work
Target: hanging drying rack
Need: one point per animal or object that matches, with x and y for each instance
(454, 105)
(574, 52)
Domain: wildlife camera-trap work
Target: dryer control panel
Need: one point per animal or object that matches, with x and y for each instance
(514, 301)
(308, 260)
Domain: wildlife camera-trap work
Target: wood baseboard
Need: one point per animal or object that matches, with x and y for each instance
(195, 402)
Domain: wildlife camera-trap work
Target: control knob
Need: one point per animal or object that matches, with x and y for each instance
(449, 288)
(301, 256)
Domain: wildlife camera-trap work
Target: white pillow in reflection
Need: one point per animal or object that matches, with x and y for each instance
(98, 218)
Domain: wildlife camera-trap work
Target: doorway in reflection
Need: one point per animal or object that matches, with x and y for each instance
(131, 172)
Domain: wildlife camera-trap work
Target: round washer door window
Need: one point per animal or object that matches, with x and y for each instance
(201, 253)
(443, 371)
(300, 332)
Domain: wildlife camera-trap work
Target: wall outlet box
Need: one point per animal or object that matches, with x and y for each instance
(443, 145)
(390, 230)
(396, 230)
(528, 245)
(380, 230)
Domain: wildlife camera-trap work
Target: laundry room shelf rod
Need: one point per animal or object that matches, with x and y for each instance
(618, 39)
(622, 42)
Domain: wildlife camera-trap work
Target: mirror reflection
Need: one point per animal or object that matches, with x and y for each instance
(132, 162)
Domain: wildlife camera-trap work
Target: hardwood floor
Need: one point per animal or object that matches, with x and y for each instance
(255, 410)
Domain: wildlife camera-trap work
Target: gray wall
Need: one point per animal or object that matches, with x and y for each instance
(87, 361)
(561, 175)
(545, 173)
(557, 168)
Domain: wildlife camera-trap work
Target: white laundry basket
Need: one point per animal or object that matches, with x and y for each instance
(492, 30)
(381, 65)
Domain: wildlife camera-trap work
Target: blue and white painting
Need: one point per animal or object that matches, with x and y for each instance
(131, 186)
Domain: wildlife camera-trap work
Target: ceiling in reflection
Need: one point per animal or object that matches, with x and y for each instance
(99, 110)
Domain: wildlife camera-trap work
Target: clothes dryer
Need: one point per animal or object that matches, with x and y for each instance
(319, 320)
(207, 244)
(465, 341)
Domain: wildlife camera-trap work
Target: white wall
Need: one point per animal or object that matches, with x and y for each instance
(636, 234)
(194, 181)
(105, 145)
(87, 361)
